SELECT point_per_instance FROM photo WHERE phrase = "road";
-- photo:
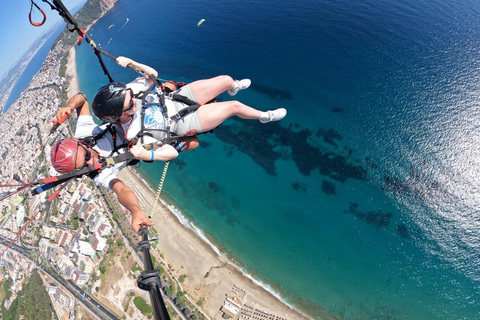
(93, 305)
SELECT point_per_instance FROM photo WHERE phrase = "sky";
(18, 34)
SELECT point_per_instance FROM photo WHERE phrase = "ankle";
(264, 115)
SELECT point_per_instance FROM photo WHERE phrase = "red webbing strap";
(36, 24)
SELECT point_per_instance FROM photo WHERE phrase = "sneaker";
(275, 115)
(239, 85)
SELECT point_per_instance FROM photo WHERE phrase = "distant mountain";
(86, 15)
(30, 53)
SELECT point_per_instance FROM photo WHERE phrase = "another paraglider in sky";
(200, 22)
(124, 24)
(118, 29)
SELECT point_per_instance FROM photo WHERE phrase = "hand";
(138, 219)
(140, 153)
(61, 112)
(124, 61)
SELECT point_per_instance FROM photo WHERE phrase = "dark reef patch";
(180, 163)
(417, 185)
(370, 164)
(299, 187)
(328, 136)
(235, 203)
(213, 186)
(232, 220)
(263, 142)
(337, 110)
(229, 151)
(328, 188)
(205, 144)
(402, 230)
(274, 94)
(372, 217)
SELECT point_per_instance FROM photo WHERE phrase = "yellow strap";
(160, 186)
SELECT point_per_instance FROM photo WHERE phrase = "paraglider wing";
(200, 22)
(110, 26)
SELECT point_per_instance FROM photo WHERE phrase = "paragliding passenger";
(117, 103)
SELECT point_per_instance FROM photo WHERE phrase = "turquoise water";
(363, 200)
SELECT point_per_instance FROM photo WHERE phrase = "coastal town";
(80, 243)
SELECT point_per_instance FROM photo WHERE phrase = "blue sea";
(32, 68)
(37, 61)
(364, 202)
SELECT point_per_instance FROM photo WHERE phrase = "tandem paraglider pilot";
(71, 154)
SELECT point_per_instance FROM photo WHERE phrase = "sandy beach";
(187, 253)
(71, 71)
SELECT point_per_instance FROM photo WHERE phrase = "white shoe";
(239, 85)
(274, 115)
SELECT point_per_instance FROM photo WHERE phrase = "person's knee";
(236, 107)
(226, 81)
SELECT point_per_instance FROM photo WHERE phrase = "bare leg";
(207, 89)
(213, 114)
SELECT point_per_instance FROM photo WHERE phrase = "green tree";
(142, 305)
(7, 284)
(179, 302)
(36, 302)
(13, 313)
(120, 242)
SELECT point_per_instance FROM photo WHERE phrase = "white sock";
(264, 115)
(236, 86)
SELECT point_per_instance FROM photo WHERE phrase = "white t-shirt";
(154, 117)
(87, 127)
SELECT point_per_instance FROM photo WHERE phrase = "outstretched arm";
(78, 102)
(164, 153)
(124, 62)
(130, 201)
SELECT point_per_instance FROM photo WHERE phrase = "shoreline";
(176, 239)
(187, 249)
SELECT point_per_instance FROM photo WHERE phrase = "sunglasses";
(88, 156)
(131, 104)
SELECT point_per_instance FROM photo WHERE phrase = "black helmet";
(107, 105)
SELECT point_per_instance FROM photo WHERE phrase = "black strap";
(183, 112)
(92, 140)
(52, 182)
(104, 68)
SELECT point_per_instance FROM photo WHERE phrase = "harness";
(161, 91)
(92, 140)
